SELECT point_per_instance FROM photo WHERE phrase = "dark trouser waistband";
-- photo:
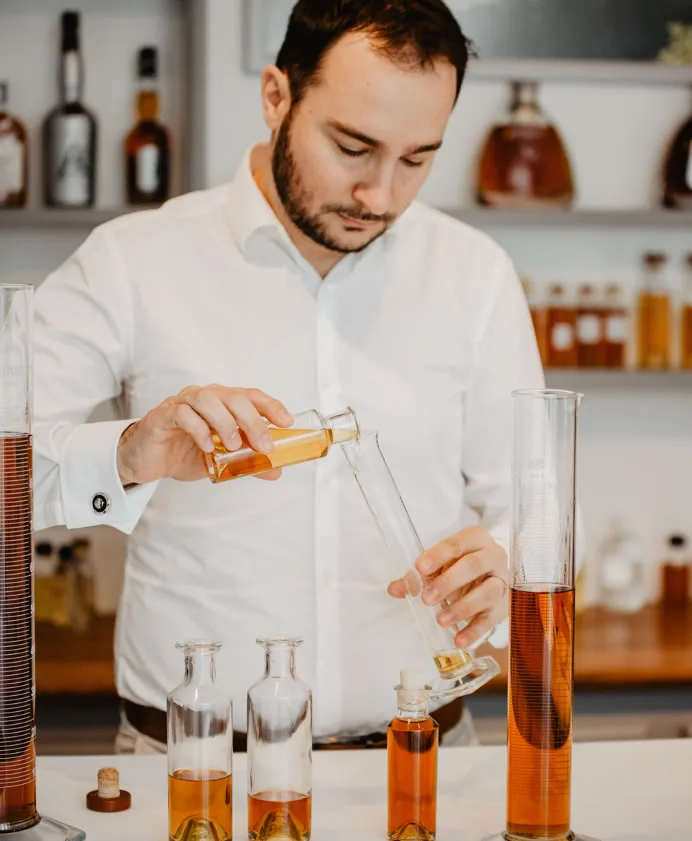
(152, 723)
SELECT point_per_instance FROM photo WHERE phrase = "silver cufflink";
(100, 503)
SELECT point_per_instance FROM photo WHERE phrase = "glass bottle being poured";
(459, 672)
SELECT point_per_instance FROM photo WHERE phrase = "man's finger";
(439, 556)
(270, 475)
(478, 600)
(476, 630)
(460, 574)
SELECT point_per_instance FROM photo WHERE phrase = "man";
(315, 277)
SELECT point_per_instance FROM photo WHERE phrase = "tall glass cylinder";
(200, 751)
(279, 748)
(541, 667)
(17, 730)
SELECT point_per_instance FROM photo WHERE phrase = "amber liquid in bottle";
(590, 340)
(147, 155)
(291, 446)
(676, 585)
(200, 805)
(14, 156)
(540, 712)
(654, 330)
(412, 746)
(614, 318)
(562, 332)
(280, 815)
(17, 716)
(686, 336)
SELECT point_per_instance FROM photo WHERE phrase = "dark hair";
(416, 31)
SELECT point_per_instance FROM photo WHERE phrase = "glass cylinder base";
(48, 830)
(480, 672)
(573, 836)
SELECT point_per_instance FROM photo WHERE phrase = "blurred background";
(571, 145)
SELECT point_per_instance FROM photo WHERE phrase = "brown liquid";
(562, 339)
(13, 131)
(147, 133)
(614, 342)
(540, 712)
(280, 815)
(678, 170)
(654, 330)
(525, 166)
(200, 805)
(412, 779)
(686, 337)
(538, 317)
(590, 343)
(291, 446)
(676, 585)
(17, 732)
(452, 663)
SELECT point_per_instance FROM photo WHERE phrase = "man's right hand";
(166, 442)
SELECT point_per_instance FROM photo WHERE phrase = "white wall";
(636, 442)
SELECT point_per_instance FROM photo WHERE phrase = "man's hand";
(467, 574)
(166, 443)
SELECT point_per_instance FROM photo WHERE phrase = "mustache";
(360, 214)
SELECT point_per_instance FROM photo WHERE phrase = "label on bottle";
(589, 329)
(563, 336)
(616, 329)
(147, 178)
(70, 171)
(688, 177)
(11, 166)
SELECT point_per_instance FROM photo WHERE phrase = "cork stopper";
(108, 797)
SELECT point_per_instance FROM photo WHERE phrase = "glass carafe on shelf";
(279, 748)
(459, 672)
(677, 172)
(675, 574)
(654, 321)
(622, 571)
(200, 751)
(311, 437)
(14, 155)
(524, 163)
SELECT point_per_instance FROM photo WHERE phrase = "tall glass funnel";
(541, 649)
(18, 812)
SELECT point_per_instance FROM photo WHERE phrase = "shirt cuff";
(90, 487)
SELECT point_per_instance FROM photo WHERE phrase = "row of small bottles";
(524, 163)
(593, 329)
(279, 752)
(70, 139)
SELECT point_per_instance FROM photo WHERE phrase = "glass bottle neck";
(279, 662)
(200, 667)
(71, 76)
(412, 705)
(148, 103)
(412, 715)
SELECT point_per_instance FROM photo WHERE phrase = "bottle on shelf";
(621, 572)
(69, 131)
(538, 316)
(615, 327)
(686, 317)
(14, 155)
(677, 172)
(147, 146)
(675, 573)
(524, 163)
(590, 339)
(561, 329)
(412, 748)
(654, 319)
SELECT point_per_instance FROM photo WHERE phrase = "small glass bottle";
(412, 746)
(622, 573)
(654, 314)
(14, 155)
(686, 317)
(677, 173)
(279, 748)
(615, 327)
(675, 574)
(200, 751)
(524, 163)
(561, 327)
(311, 437)
(538, 316)
(590, 343)
(147, 146)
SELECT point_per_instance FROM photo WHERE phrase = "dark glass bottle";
(147, 146)
(70, 132)
(677, 175)
(14, 155)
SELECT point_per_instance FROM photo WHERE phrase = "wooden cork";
(108, 797)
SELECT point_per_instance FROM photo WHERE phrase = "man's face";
(352, 155)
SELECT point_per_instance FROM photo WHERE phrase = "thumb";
(397, 589)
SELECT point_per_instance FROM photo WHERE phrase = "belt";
(152, 723)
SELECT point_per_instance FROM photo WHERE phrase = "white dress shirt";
(425, 334)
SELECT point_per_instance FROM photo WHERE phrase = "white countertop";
(622, 791)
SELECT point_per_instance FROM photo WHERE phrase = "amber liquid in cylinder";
(654, 330)
(17, 722)
(200, 805)
(280, 815)
(412, 779)
(291, 446)
(541, 659)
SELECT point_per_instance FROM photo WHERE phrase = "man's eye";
(412, 164)
(352, 153)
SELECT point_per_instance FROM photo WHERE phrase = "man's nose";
(375, 194)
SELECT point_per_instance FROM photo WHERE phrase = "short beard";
(296, 199)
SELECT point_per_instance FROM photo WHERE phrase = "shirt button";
(101, 503)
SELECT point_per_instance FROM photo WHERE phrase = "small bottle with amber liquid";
(538, 316)
(654, 320)
(561, 329)
(675, 574)
(147, 146)
(412, 746)
(590, 343)
(615, 327)
(14, 155)
(686, 317)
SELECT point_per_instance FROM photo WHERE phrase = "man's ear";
(276, 97)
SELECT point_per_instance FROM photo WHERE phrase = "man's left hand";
(469, 573)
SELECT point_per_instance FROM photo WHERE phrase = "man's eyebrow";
(370, 141)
